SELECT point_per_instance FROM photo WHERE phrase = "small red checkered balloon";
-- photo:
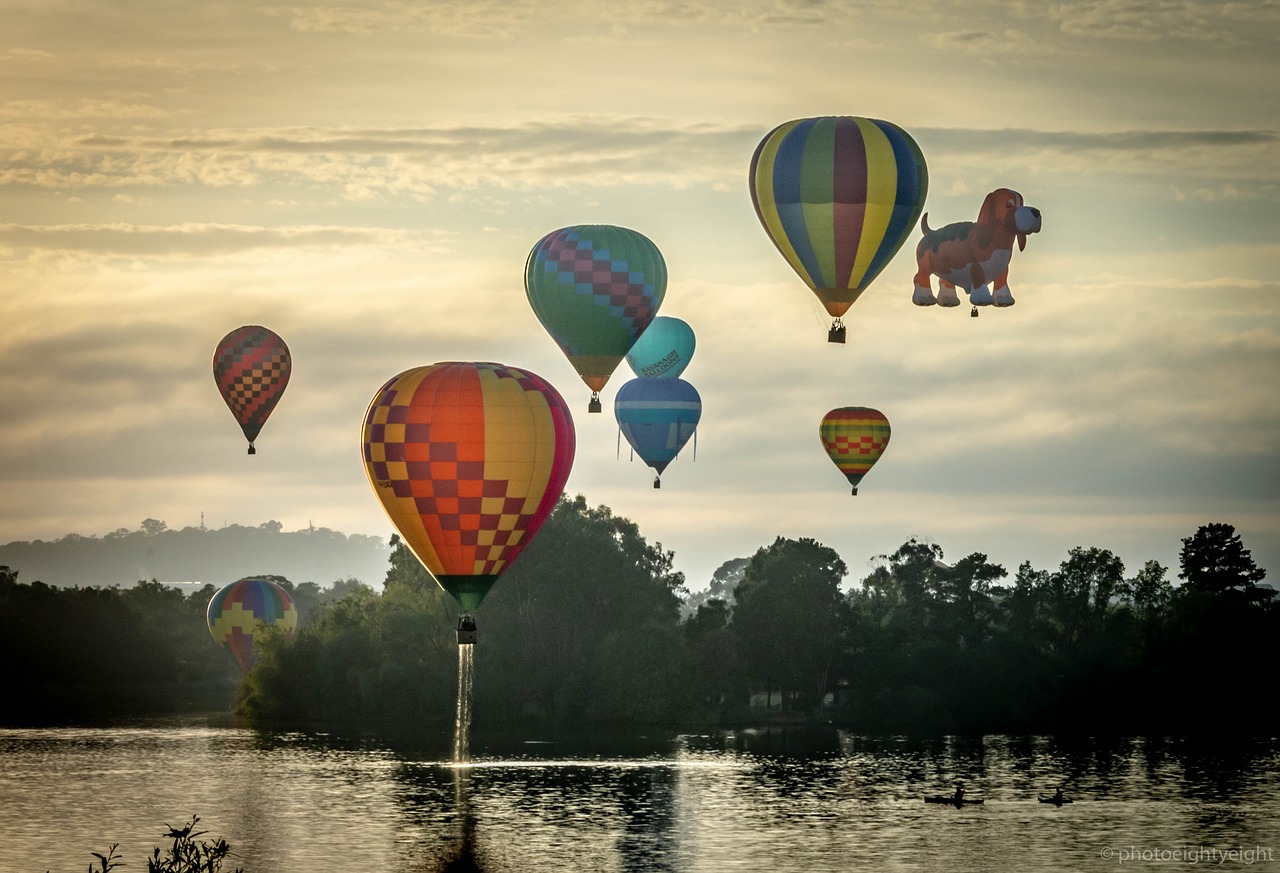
(468, 460)
(251, 366)
(854, 437)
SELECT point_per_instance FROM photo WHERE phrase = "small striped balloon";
(854, 437)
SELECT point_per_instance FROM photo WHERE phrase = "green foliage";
(789, 619)
(585, 629)
(371, 659)
(187, 853)
(90, 652)
(1215, 560)
(577, 596)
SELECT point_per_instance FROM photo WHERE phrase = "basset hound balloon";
(974, 255)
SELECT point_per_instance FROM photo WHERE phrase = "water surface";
(773, 801)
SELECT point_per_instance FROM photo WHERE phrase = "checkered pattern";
(610, 282)
(240, 609)
(854, 438)
(450, 450)
(251, 366)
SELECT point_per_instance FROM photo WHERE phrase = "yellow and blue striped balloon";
(838, 195)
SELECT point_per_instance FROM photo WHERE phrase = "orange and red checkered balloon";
(854, 437)
(468, 460)
(251, 366)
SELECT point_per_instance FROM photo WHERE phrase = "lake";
(776, 801)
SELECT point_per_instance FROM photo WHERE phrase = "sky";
(367, 179)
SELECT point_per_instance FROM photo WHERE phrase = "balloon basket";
(594, 405)
(973, 313)
(836, 333)
(466, 630)
(252, 450)
(657, 482)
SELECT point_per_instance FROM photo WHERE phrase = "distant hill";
(199, 555)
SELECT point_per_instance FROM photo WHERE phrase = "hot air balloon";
(239, 611)
(838, 196)
(468, 460)
(251, 366)
(595, 288)
(663, 350)
(657, 416)
(854, 437)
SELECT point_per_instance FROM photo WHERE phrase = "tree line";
(593, 627)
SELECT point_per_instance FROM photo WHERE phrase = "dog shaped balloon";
(973, 255)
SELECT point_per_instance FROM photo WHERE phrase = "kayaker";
(958, 797)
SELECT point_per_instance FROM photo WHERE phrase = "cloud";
(364, 164)
(205, 240)
(1164, 20)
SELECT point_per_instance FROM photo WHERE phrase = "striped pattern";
(838, 196)
(468, 460)
(595, 288)
(251, 366)
(240, 610)
(854, 437)
(657, 416)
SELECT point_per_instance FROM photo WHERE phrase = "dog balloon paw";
(923, 296)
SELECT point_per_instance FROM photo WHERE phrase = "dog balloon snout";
(1028, 219)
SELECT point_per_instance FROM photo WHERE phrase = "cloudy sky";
(367, 178)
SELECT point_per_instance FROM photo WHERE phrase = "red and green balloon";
(595, 288)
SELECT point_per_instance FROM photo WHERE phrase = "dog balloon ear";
(986, 224)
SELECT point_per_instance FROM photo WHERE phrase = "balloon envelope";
(838, 196)
(657, 416)
(663, 350)
(595, 288)
(251, 366)
(239, 611)
(468, 460)
(854, 437)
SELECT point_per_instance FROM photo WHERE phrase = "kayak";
(1055, 801)
(948, 798)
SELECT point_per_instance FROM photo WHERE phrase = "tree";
(789, 618)
(587, 578)
(966, 589)
(1081, 590)
(723, 583)
(1150, 592)
(1214, 560)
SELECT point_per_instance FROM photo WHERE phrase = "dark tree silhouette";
(789, 618)
(1214, 560)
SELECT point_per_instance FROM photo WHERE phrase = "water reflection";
(779, 800)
